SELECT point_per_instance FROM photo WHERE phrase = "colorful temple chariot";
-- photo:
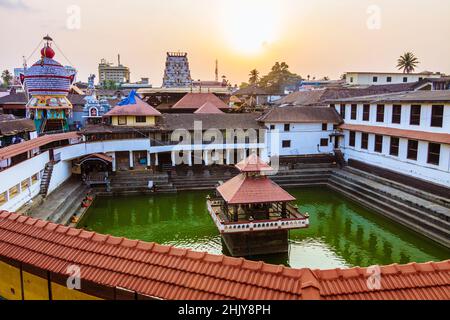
(253, 213)
(48, 83)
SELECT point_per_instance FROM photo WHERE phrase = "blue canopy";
(131, 99)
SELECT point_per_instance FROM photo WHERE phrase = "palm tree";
(407, 62)
(254, 76)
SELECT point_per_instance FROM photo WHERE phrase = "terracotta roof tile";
(196, 100)
(140, 108)
(402, 133)
(172, 273)
(209, 108)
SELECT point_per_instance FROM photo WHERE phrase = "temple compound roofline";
(119, 268)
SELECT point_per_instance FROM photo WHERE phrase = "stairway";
(46, 177)
(136, 182)
(420, 211)
(306, 175)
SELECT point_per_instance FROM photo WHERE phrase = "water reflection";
(341, 233)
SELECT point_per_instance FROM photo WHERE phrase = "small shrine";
(94, 108)
(253, 213)
(48, 83)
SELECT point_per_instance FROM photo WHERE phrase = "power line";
(70, 63)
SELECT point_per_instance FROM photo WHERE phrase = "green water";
(341, 233)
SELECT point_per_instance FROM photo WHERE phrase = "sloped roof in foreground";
(171, 273)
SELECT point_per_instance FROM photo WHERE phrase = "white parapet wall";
(62, 171)
(13, 177)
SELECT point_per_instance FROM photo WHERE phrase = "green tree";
(243, 85)
(254, 77)
(407, 62)
(110, 85)
(279, 77)
(6, 78)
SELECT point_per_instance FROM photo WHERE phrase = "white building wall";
(305, 139)
(367, 78)
(61, 172)
(16, 174)
(417, 169)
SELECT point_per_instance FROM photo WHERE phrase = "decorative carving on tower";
(177, 72)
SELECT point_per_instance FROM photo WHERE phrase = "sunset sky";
(315, 37)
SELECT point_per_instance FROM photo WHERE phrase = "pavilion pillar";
(131, 160)
(156, 159)
(114, 162)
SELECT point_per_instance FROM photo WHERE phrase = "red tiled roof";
(196, 100)
(401, 133)
(16, 149)
(171, 273)
(245, 190)
(253, 164)
(140, 108)
(101, 156)
(209, 108)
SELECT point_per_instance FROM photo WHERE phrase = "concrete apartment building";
(108, 72)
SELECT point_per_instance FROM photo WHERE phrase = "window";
(3, 198)
(35, 178)
(415, 115)
(396, 114)
(324, 142)
(389, 79)
(25, 184)
(287, 127)
(378, 144)
(351, 79)
(141, 119)
(366, 112)
(413, 145)
(122, 120)
(375, 79)
(324, 126)
(352, 139)
(434, 153)
(364, 141)
(354, 110)
(437, 116)
(380, 113)
(405, 79)
(342, 111)
(395, 142)
(286, 143)
(14, 191)
(272, 127)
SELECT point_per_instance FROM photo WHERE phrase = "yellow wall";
(60, 292)
(131, 121)
(34, 287)
(10, 282)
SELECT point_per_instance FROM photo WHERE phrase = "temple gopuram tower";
(48, 83)
(254, 214)
(177, 73)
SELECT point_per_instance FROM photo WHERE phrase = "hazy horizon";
(317, 38)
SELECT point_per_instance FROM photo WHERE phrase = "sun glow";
(250, 26)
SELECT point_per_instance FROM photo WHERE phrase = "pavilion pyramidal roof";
(253, 164)
(244, 189)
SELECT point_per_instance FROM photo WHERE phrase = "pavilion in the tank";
(48, 83)
(253, 213)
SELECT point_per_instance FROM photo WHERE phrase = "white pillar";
(149, 159)
(228, 155)
(156, 159)
(190, 158)
(131, 159)
(205, 157)
(173, 158)
(114, 162)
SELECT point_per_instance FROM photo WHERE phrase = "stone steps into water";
(400, 186)
(424, 222)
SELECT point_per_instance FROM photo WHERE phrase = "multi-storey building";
(177, 72)
(407, 133)
(108, 72)
(373, 78)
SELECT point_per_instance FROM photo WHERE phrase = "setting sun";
(251, 25)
